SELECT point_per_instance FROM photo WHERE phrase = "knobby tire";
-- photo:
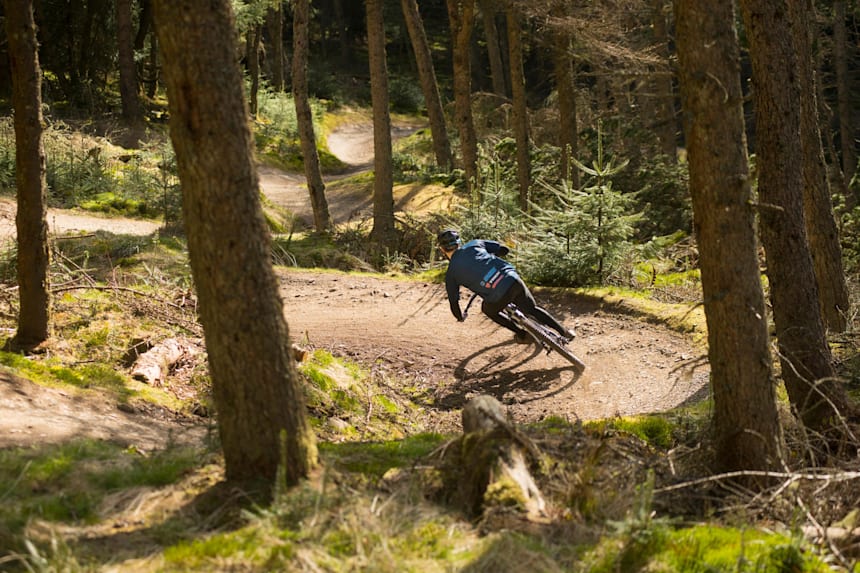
(544, 338)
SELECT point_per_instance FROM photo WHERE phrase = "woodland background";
(631, 145)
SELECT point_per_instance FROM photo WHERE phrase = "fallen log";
(153, 366)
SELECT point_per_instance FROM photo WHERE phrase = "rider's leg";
(493, 314)
(525, 301)
(493, 311)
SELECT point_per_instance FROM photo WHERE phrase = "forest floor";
(403, 330)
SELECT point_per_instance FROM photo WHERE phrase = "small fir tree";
(581, 233)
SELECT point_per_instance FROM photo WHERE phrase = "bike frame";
(546, 337)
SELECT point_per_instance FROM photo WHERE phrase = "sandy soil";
(405, 333)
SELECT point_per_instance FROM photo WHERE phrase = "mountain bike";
(544, 336)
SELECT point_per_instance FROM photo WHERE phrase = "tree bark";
(429, 85)
(494, 51)
(128, 84)
(664, 120)
(304, 116)
(746, 425)
(520, 116)
(257, 392)
(383, 231)
(805, 359)
(275, 53)
(253, 56)
(843, 91)
(821, 225)
(461, 15)
(568, 139)
(31, 219)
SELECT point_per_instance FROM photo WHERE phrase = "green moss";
(655, 430)
(375, 458)
(504, 492)
(239, 546)
(553, 425)
(708, 548)
(701, 549)
(318, 378)
(386, 404)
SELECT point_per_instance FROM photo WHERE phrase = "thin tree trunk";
(128, 85)
(342, 37)
(276, 59)
(147, 70)
(461, 15)
(429, 85)
(494, 51)
(144, 26)
(253, 55)
(31, 220)
(821, 226)
(258, 394)
(664, 121)
(746, 423)
(304, 116)
(384, 232)
(568, 128)
(805, 358)
(154, 67)
(521, 118)
(843, 90)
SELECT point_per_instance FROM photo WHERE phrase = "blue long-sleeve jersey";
(476, 266)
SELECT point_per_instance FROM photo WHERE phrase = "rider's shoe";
(522, 338)
(569, 335)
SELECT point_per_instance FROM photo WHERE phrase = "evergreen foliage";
(580, 237)
(492, 211)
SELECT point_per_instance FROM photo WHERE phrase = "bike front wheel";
(553, 341)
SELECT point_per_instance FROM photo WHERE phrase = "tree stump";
(487, 470)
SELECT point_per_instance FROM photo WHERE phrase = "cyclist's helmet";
(448, 239)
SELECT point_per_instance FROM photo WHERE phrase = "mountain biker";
(478, 265)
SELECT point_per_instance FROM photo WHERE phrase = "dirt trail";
(399, 329)
(406, 329)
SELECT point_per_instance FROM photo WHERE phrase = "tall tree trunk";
(664, 120)
(817, 205)
(342, 37)
(154, 67)
(128, 85)
(384, 232)
(843, 91)
(494, 51)
(258, 394)
(568, 130)
(461, 15)
(805, 358)
(144, 26)
(31, 220)
(521, 112)
(429, 86)
(276, 58)
(147, 71)
(746, 423)
(304, 116)
(253, 56)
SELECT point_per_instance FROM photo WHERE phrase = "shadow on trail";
(505, 376)
(432, 298)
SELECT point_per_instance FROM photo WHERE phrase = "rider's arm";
(453, 290)
(496, 248)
